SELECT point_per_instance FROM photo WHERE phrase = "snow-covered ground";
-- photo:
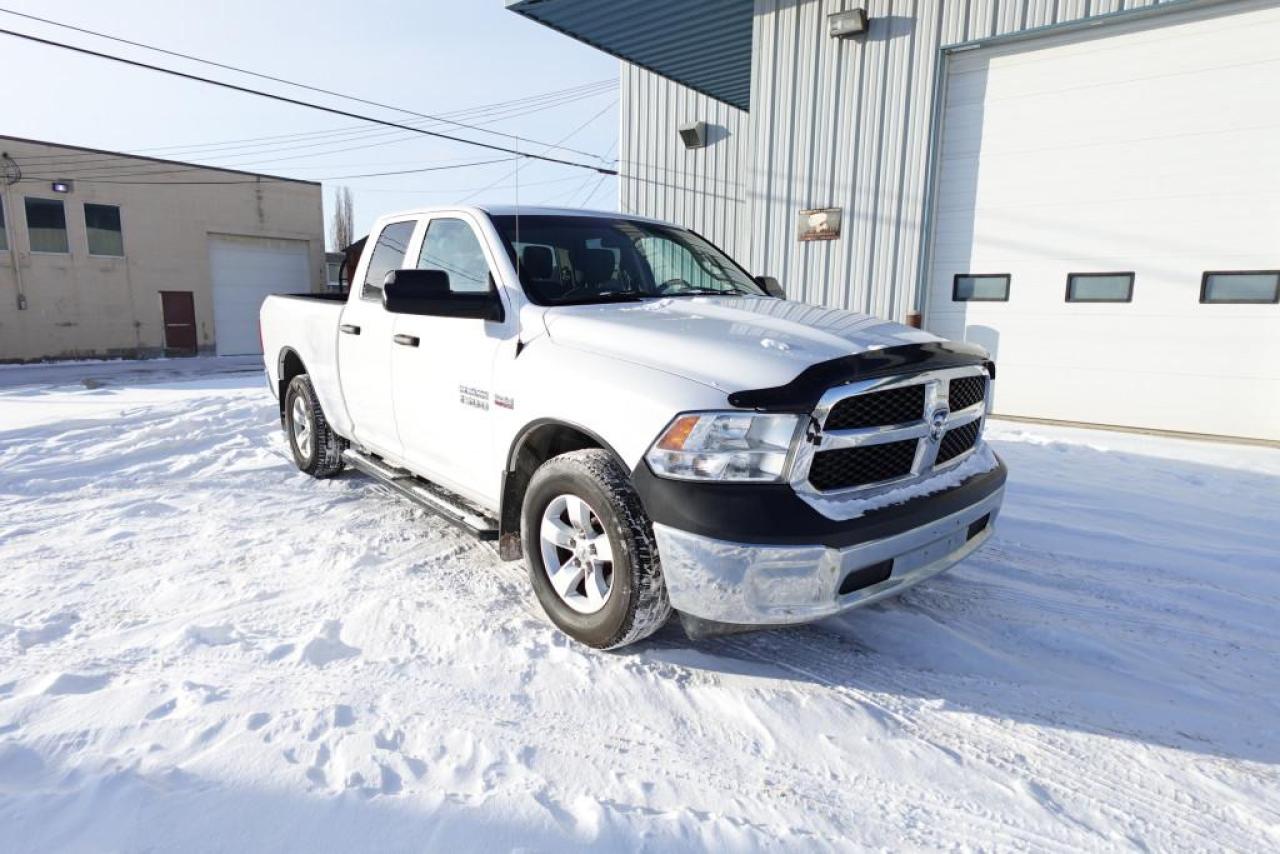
(201, 649)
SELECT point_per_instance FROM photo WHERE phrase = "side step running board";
(452, 508)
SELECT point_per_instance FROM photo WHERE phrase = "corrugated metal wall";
(833, 123)
(702, 188)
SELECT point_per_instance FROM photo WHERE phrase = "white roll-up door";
(245, 270)
(1149, 148)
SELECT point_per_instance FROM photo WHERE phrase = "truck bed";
(307, 325)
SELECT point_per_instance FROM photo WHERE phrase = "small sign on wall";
(819, 224)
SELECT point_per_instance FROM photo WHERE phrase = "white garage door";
(1150, 148)
(245, 271)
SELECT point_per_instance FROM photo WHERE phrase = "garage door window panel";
(47, 226)
(980, 287)
(102, 230)
(451, 246)
(1241, 287)
(388, 255)
(1100, 287)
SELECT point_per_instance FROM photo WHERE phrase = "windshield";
(579, 259)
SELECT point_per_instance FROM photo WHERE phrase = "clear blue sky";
(432, 57)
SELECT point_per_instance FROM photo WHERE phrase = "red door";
(179, 309)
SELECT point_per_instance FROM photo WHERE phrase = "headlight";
(724, 446)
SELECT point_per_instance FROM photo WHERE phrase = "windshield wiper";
(706, 292)
(607, 296)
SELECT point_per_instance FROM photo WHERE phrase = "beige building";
(109, 254)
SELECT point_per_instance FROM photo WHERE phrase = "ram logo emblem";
(938, 423)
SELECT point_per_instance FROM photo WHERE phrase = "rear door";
(178, 309)
(442, 368)
(364, 344)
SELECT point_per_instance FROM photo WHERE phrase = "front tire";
(316, 449)
(591, 553)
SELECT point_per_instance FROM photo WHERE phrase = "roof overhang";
(704, 45)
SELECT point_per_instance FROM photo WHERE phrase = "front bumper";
(764, 584)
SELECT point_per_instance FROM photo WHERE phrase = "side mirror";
(427, 292)
(771, 286)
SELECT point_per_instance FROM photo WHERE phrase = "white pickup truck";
(651, 428)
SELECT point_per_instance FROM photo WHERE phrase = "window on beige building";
(47, 225)
(102, 228)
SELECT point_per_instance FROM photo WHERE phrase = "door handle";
(406, 340)
(349, 328)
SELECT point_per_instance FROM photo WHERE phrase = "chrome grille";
(850, 467)
(956, 442)
(965, 392)
(876, 434)
(877, 409)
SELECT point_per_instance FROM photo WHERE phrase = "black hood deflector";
(803, 392)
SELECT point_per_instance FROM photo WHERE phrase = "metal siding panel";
(844, 123)
(982, 18)
(1072, 10)
(1009, 16)
(699, 188)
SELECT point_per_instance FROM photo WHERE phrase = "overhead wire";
(259, 178)
(262, 76)
(298, 102)
(88, 159)
(516, 173)
(104, 162)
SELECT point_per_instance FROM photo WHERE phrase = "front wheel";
(590, 550)
(316, 449)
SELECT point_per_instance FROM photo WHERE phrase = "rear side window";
(1260, 286)
(451, 245)
(388, 254)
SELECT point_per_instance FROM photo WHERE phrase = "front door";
(442, 368)
(178, 309)
(364, 345)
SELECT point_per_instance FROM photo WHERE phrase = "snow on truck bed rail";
(201, 649)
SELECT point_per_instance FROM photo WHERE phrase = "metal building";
(1088, 188)
(109, 254)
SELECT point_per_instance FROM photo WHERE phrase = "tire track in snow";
(1054, 766)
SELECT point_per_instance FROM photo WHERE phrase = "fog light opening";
(866, 577)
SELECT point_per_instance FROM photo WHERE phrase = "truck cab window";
(388, 255)
(451, 245)
(566, 260)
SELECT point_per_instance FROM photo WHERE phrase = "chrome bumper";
(767, 585)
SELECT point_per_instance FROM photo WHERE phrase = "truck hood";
(729, 343)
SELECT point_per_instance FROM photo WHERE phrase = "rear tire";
(317, 450)
(579, 509)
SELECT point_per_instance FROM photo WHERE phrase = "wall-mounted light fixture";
(62, 186)
(847, 24)
(694, 134)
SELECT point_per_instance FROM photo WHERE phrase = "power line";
(299, 103)
(167, 182)
(103, 164)
(516, 173)
(83, 159)
(274, 79)
(413, 191)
